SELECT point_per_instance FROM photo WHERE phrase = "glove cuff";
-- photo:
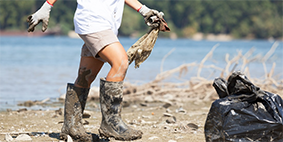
(47, 6)
(49, 3)
(143, 10)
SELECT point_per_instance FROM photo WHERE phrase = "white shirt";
(97, 15)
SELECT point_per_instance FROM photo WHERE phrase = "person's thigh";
(116, 56)
(114, 53)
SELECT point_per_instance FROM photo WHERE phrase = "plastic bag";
(244, 112)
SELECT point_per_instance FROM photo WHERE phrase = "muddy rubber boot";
(75, 102)
(112, 125)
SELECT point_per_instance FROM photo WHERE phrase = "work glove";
(150, 16)
(41, 15)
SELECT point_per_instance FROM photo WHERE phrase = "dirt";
(160, 122)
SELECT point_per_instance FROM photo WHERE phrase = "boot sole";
(64, 136)
(107, 135)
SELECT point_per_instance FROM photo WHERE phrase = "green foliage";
(242, 19)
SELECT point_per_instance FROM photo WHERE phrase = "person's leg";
(76, 98)
(116, 56)
(111, 95)
(88, 70)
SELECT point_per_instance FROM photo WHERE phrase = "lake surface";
(36, 68)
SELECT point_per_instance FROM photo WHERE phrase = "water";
(36, 68)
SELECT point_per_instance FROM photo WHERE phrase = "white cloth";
(97, 15)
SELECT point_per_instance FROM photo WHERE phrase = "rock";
(167, 105)
(21, 110)
(69, 139)
(62, 97)
(167, 115)
(85, 122)
(168, 110)
(193, 126)
(86, 115)
(126, 104)
(181, 110)
(23, 137)
(94, 94)
(59, 111)
(147, 117)
(169, 97)
(144, 104)
(153, 137)
(172, 141)
(171, 120)
(8, 138)
(148, 99)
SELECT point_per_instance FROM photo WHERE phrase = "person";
(97, 23)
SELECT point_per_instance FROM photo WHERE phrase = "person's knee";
(124, 65)
(120, 67)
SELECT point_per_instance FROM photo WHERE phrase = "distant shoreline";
(72, 34)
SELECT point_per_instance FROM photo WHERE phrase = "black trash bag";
(244, 113)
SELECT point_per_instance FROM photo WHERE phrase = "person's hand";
(41, 15)
(150, 16)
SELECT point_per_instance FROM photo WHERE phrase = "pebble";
(192, 126)
(144, 104)
(86, 115)
(167, 105)
(171, 120)
(8, 138)
(168, 110)
(85, 122)
(153, 137)
(23, 109)
(59, 111)
(69, 139)
(23, 137)
(181, 110)
(167, 115)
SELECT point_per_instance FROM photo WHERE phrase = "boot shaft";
(74, 106)
(112, 125)
(77, 94)
(111, 97)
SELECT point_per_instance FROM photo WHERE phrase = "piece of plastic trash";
(244, 112)
(141, 49)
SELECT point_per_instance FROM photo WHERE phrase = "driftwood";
(199, 88)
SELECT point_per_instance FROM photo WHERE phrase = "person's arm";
(134, 4)
(147, 13)
(41, 15)
(51, 2)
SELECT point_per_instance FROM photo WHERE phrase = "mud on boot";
(74, 106)
(112, 125)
